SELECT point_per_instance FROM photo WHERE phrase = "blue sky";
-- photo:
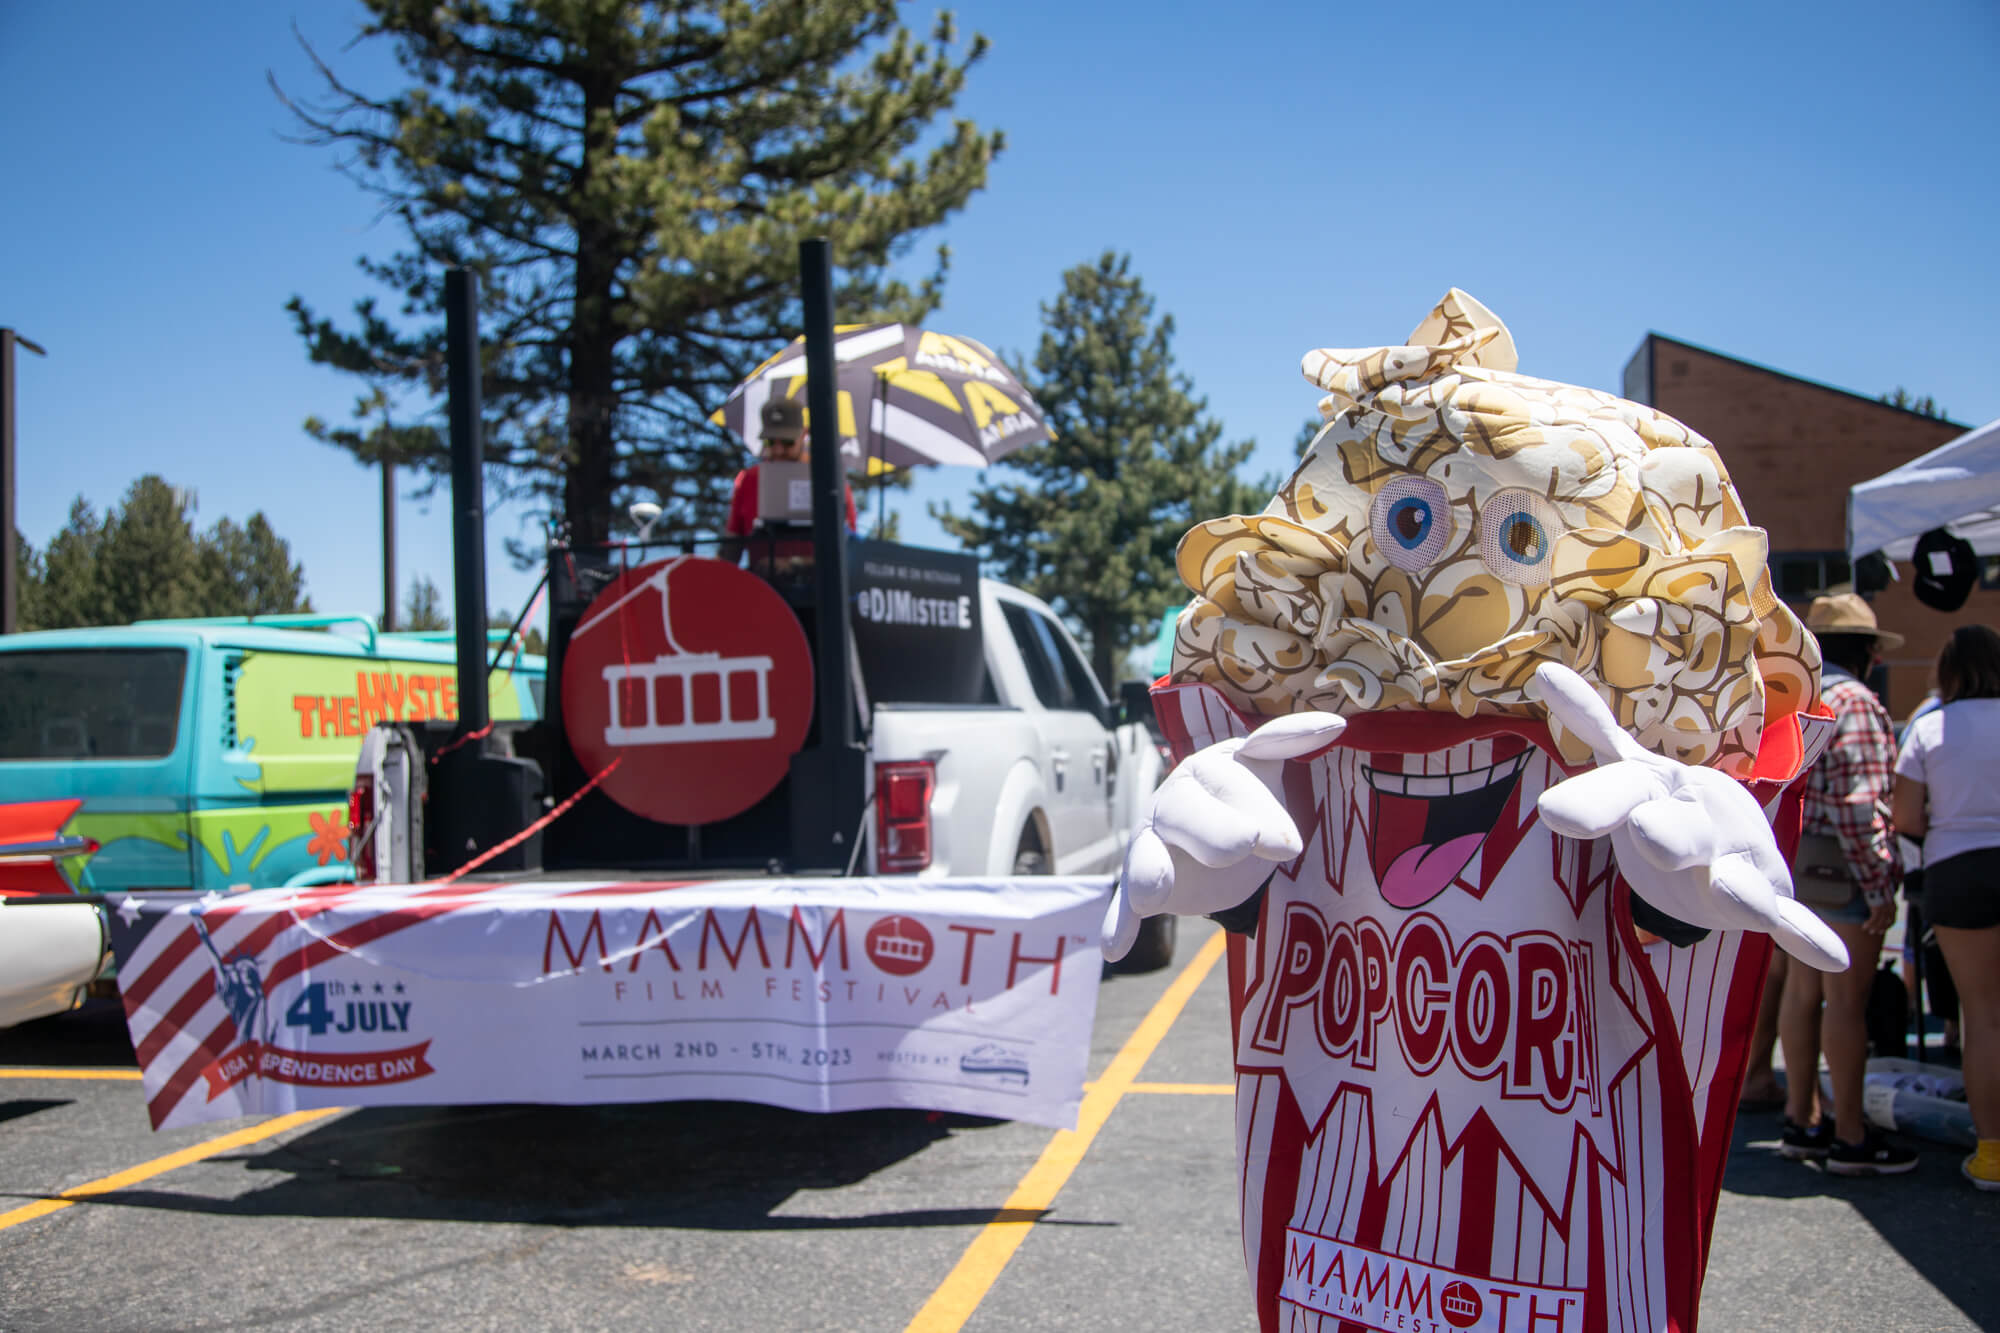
(1817, 190)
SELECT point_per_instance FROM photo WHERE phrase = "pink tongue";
(1423, 872)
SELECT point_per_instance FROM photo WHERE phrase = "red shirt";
(743, 504)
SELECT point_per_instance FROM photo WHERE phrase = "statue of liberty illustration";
(241, 986)
(677, 671)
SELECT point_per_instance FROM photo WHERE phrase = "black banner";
(916, 623)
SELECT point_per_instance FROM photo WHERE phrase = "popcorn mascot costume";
(1488, 726)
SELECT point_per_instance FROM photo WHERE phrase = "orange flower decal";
(329, 836)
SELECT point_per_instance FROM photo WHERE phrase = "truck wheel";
(1030, 861)
(1154, 948)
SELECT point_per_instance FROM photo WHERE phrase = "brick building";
(1793, 448)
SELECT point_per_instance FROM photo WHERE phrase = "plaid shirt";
(1847, 793)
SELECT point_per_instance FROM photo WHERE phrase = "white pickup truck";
(1048, 776)
(1026, 769)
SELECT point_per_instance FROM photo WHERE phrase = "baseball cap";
(1946, 569)
(784, 418)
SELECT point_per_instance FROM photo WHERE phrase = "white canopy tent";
(1954, 486)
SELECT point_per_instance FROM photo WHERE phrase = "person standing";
(1947, 795)
(1847, 800)
(782, 431)
(1922, 958)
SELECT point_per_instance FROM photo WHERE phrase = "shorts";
(1963, 892)
(1853, 912)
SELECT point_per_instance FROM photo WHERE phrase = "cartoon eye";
(1411, 521)
(1517, 536)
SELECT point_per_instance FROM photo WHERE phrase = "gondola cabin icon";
(1461, 1304)
(688, 684)
(899, 945)
(683, 696)
(901, 948)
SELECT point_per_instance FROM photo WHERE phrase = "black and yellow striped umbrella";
(906, 396)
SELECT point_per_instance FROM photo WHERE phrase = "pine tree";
(148, 564)
(144, 561)
(1925, 406)
(30, 582)
(68, 593)
(531, 639)
(423, 609)
(248, 571)
(629, 181)
(1089, 522)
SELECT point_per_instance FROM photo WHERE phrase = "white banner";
(974, 996)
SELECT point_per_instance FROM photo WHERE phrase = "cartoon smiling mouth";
(1425, 827)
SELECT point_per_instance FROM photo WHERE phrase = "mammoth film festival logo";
(695, 676)
(899, 945)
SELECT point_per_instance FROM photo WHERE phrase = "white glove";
(1215, 827)
(1689, 840)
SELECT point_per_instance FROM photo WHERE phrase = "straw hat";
(1847, 613)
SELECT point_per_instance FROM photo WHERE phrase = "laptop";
(784, 492)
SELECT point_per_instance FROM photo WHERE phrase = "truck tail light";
(903, 816)
(360, 837)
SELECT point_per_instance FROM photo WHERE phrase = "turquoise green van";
(213, 754)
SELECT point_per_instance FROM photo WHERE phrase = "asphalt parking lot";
(692, 1215)
(711, 1216)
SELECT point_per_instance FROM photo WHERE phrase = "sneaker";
(1873, 1156)
(1800, 1144)
(1975, 1171)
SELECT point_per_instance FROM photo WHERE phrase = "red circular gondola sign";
(695, 676)
(899, 945)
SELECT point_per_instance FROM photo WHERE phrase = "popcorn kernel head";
(1455, 524)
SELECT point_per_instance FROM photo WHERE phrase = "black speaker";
(478, 801)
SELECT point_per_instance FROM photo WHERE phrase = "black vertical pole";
(828, 779)
(836, 710)
(388, 544)
(8, 592)
(468, 493)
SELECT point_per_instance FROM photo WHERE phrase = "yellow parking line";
(161, 1165)
(131, 1075)
(977, 1269)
